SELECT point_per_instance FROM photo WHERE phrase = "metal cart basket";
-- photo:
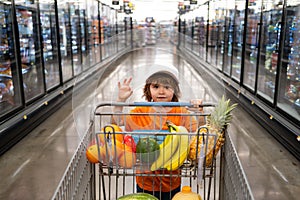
(224, 179)
(117, 174)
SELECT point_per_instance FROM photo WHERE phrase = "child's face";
(161, 92)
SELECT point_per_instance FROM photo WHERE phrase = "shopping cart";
(117, 177)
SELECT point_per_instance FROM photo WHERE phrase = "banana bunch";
(174, 150)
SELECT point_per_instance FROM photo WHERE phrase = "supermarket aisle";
(33, 168)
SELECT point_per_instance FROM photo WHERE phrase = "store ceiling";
(159, 9)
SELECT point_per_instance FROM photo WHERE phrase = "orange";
(114, 151)
(117, 148)
(127, 159)
(117, 151)
(110, 129)
(104, 154)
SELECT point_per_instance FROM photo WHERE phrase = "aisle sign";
(127, 6)
(181, 9)
(115, 2)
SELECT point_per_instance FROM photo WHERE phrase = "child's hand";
(196, 103)
(125, 90)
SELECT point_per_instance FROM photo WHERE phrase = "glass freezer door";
(221, 40)
(203, 9)
(75, 20)
(83, 35)
(251, 46)
(10, 96)
(270, 38)
(65, 40)
(50, 45)
(289, 85)
(214, 34)
(27, 19)
(238, 38)
(228, 40)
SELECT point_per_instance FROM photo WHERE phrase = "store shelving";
(292, 52)
(151, 32)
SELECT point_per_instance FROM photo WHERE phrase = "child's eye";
(155, 86)
(168, 87)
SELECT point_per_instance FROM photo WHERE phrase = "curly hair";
(162, 78)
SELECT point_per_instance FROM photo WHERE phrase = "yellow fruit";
(92, 154)
(127, 159)
(108, 131)
(210, 149)
(114, 150)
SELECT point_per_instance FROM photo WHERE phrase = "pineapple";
(217, 123)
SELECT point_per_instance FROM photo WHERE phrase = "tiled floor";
(33, 168)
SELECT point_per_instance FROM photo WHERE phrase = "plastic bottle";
(186, 194)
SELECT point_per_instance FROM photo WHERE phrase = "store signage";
(127, 7)
(180, 5)
(29, 1)
(114, 2)
(193, 2)
(180, 8)
(149, 19)
(199, 19)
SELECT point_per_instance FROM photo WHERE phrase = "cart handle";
(163, 104)
(167, 104)
(171, 104)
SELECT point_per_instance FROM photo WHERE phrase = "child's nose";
(161, 89)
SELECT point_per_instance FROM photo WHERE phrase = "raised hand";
(125, 90)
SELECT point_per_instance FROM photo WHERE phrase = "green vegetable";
(138, 196)
(147, 150)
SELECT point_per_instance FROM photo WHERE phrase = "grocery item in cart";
(127, 159)
(147, 149)
(138, 196)
(92, 153)
(211, 137)
(186, 193)
(112, 147)
(129, 141)
(118, 153)
(174, 149)
(111, 129)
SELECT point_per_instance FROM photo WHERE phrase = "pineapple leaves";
(221, 116)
